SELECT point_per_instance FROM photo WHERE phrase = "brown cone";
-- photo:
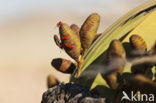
(51, 81)
(63, 65)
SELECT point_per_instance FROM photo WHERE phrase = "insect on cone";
(70, 41)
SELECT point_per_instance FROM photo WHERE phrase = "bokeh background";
(26, 40)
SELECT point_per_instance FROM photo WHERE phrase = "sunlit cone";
(57, 41)
(76, 29)
(88, 30)
(115, 50)
(115, 54)
(63, 65)
(51, 81)
(138, 44)
(70, 41)
(87, 34)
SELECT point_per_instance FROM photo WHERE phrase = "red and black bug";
(69, 40)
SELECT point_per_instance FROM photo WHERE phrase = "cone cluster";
(75, 42)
